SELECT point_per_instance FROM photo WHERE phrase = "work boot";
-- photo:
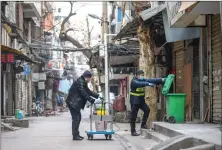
(77, 138)
(135, 134)
(144, 127)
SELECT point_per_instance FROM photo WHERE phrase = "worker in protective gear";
(137, 98)
(79, 94)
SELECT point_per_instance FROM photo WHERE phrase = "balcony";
(32, 9)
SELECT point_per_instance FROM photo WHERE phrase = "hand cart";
(104, 119)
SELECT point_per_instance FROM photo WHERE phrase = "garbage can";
(16, 113)
(175, 103)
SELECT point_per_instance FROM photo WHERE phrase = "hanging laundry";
(64, 86)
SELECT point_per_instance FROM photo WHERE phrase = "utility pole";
(104, 20)
(104, 40)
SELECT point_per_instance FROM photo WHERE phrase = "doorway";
(196, 80)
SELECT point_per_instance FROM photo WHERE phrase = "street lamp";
(95, 16)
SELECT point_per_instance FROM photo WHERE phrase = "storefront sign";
(7, 58)
(38, 77)
(42, 76)
(27, 70)
(41, 85)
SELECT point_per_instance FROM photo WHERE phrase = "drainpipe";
(30, 79)
(221, 46)
(201, 76)
(209, 58)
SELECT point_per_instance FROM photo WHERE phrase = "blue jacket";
(138, 86)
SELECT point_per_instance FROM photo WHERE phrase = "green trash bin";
(175, 103)
(16, 113)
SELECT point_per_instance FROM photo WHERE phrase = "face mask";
(141, 77)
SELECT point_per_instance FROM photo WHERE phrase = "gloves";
(150, 84)
(163, 80)
(92, 101)
(101, 98)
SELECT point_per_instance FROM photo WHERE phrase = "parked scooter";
(36, 108)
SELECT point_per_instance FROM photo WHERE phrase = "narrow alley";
(54, 133)
(151, 70)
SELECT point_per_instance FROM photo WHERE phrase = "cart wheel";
(171, 119)
(106, 136)
(88, 136)
(165, 119)
(110, 137)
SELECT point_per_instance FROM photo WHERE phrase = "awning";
(187, 5)
(200, 7)
(191, 14)
(149, 13)
(130, 30)
(18, 54)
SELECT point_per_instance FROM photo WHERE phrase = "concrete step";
(137, 142)
(181, 142)
(165, 131)
(9, 124)
(202, 147)
(151, 134)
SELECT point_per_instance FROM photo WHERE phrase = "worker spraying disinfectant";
(137, 98)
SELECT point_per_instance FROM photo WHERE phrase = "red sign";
(7, 58)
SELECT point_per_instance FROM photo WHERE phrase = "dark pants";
(76, 118)
(135, 108)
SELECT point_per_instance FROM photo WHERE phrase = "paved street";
(54, 133)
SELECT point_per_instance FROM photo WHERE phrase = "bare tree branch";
(71, 29)
(91, 30)
(67, 18)
(93, 60)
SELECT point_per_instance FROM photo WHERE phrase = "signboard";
(27, 70)
(7, 58)
(41, 85)
(42, 76)
(38, 77)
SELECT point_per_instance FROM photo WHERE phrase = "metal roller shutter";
(10, 98)
(24, 99)
(179, 63)
(216, 68)
(17, 93)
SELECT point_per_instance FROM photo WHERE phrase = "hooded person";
(79, 94)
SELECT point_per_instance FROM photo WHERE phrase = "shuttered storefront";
(21, 94)
(196, 80)
(216, 68)
(178, 48)
(24, 95)
(18, 97)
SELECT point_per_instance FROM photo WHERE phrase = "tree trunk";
(146, 63)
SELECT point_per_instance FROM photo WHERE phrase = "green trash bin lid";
(167, 84)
